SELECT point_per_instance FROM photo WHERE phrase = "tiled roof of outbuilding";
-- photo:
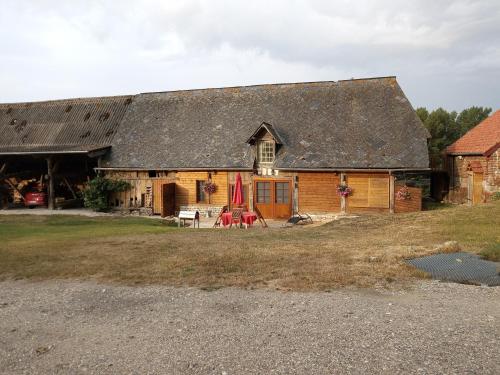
(366, 123)
(483, 139)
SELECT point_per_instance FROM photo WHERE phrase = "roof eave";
(59, 152)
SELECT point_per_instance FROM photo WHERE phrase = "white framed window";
(265, 151)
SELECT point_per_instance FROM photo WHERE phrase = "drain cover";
(459, 267)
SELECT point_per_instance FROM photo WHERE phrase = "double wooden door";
(273, 197)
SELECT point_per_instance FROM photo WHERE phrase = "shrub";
(96, 195)
(495, 196)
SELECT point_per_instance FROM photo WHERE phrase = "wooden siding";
(186, 188)
(370, 191)
(317, 192)
(413, 204)
(141, 184)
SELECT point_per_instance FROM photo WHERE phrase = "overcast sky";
(444, 53)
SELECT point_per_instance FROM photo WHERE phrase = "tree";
(470, 117)
(423, 114)
(443, 128)
(446, 127)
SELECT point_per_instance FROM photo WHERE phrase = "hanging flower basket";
(403, 194)
(344, 190)
(209, 188)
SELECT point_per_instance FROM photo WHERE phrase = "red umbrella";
(238, 191)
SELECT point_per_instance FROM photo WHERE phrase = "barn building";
(293, 144)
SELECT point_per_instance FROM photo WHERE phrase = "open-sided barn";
(293, 144)
(55, 144)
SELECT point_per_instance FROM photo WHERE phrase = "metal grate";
(460, 268)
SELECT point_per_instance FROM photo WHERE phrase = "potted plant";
(344, 190)
(403, 194)
(209, 188)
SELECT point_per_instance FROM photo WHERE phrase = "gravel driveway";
(82, 327)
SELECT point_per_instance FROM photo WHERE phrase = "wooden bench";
(189, 215)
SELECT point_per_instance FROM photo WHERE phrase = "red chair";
(236, 217)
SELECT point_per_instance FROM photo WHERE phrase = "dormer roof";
(265, 127)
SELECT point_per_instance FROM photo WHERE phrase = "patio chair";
(219, 217)
(260, 217)
(236, 217)
(299, 219)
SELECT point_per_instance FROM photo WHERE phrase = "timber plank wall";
(185, 189)
(317, 192)
(413, 204)
(370, 192)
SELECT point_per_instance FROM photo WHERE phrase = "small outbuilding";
(473, 163)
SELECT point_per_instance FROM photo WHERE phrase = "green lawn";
(364, 251)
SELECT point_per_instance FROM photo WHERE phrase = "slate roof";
(71, 125)
(483, 139)
(366, 123)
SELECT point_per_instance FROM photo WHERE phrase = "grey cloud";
(445, 53)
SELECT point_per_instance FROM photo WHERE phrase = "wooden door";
(282, 199)
(477, 195)
(263, 198)
(273, 198)
(168, 199)
(369, 191)
(470, 187)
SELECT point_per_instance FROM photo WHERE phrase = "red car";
(35, 199)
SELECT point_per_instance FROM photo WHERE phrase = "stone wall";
(459, 166)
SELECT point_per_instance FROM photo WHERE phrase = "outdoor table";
(226, 218)
(247, 218)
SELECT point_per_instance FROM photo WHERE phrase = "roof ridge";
(90, 98)
(269, 84)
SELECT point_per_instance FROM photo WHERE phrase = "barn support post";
(50, 174)
(295, 200)
(392, 180)
(343, 203)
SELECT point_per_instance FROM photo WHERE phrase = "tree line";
(446, 127)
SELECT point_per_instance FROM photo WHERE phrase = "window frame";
(265, 154)
(200, 192)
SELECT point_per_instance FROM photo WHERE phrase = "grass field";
(364, 251)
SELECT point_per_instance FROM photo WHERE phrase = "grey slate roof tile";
(347, 124)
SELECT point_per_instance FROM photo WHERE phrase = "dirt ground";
(83, 327)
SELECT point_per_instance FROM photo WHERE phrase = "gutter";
(353, 169)
(174, 169)
(390, 170)
(54, 152)
(465, 153)
(43, 152)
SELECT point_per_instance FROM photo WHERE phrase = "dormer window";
(266, 142)
(265, 151)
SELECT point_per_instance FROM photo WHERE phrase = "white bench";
(189, 215)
